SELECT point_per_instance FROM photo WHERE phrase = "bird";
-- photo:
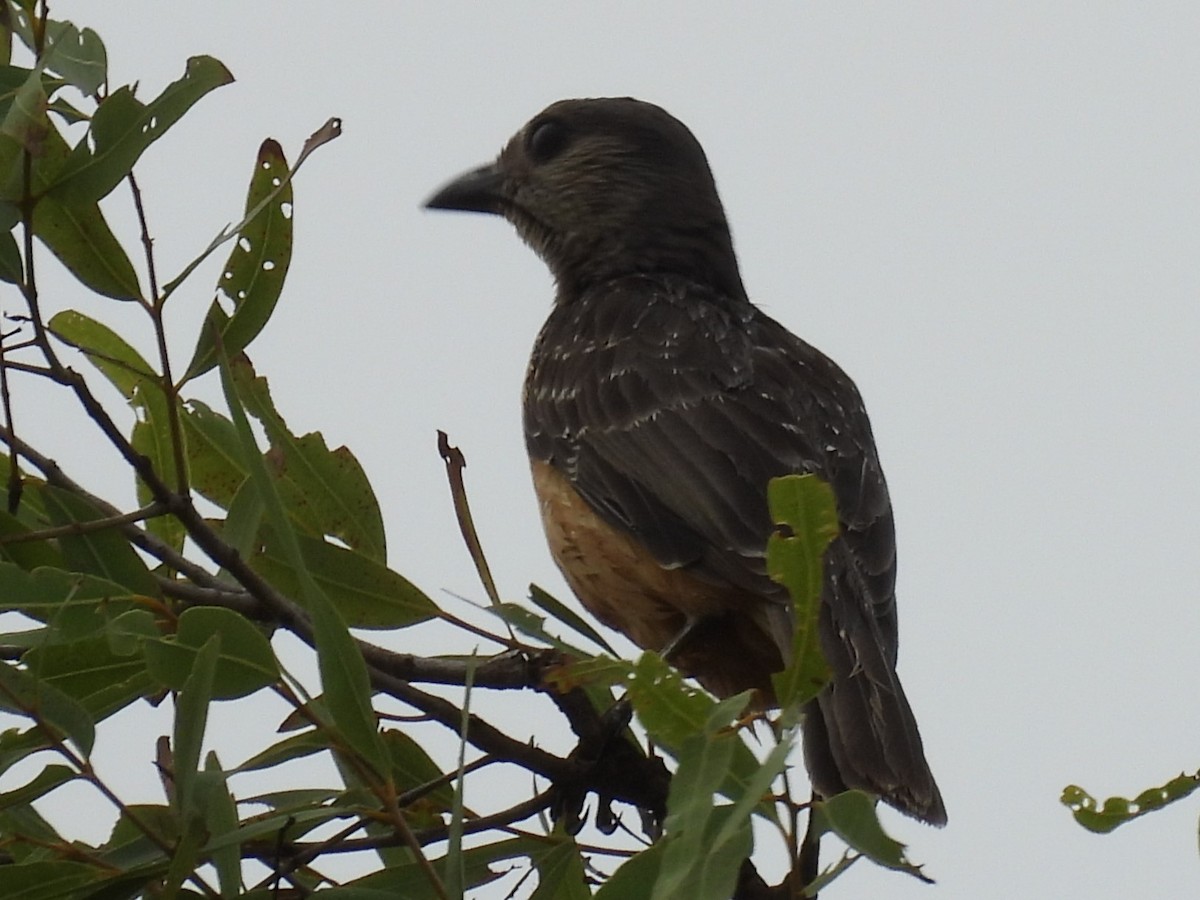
(658, 404)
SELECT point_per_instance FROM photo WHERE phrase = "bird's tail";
(860, 732)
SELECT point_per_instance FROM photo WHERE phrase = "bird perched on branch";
(658, 404)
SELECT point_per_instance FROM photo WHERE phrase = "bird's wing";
(670, 410)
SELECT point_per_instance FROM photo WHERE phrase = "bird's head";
(605, 188)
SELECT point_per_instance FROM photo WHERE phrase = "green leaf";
(1116, 811)
(365, 593)
(47, 880)
(411, 880)
(129, 373)
(690, 867)
(151, 437)
(26, 554)
(670, 710)
(191, 717)
(290, 823)
(78, 56)
(78, 605)
(110, 353)
(25, 695)
(851, 815)
(673, 712)
(297, 746)
(805, 506)
(255, 271)
(327, 491)
(220, 819)
(26, 832)
(81, 239)
(43, 783)
(243, 524)
(92, 673)
(531, 625)
(12, 266)
(25, 119)
(413, 768)
(561, 874)
(344, 676)
(635, 879)
(246, 662)
(214, 454)
(25, 128)
(104, 552)
(554, 607)
(16, 746)
(123, 127)
(323, 135)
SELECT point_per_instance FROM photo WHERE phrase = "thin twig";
(72, 528)
(455, 463)
(15, 485)
(166, 381)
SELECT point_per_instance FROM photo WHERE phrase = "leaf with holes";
(1116, 811)
(254, 273)
(123, 127)
(77, 55)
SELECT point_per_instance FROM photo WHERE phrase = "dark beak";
(480, 190)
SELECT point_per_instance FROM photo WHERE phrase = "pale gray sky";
(988, 213)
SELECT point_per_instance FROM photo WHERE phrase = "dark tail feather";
(861, 733)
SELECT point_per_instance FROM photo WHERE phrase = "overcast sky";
(987, 213)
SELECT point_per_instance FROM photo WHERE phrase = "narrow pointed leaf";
(255, 271)
(28, 555)
(805, 506)
(220, 819)
(323, 135)
(81, 239)
(561, 874)
(110, 353)
(25, 118)
(191, 717)
(554, 607)
(89, 671)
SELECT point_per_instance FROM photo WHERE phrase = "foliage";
(110, 608)
(1116, 811)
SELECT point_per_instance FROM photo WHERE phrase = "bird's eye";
(547, 140)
